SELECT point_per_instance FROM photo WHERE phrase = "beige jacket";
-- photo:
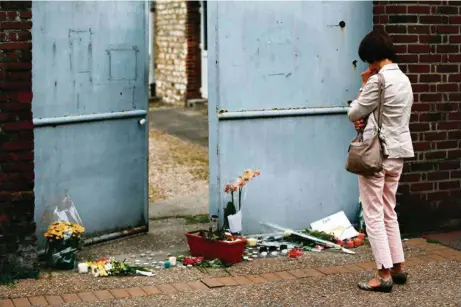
(398, 99)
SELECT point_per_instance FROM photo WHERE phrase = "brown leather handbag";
(366, 157)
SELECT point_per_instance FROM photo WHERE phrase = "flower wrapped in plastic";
(64, 235)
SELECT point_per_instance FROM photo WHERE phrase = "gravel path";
(66, 282)
(176, 167)
(431, 284)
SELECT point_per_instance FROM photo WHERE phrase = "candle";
(83, 267)
(251, 241)
(167, 264)
(172, 261)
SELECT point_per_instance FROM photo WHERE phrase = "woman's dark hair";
(377, 46)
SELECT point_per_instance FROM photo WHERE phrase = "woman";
(377, 192)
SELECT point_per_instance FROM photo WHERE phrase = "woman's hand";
(367, 74)
(360, 125)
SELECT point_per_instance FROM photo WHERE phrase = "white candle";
(251, 242)
(83, 267)
(172, 261)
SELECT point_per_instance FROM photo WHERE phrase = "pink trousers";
(377, 194)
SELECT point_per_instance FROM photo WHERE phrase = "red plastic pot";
(230, 252)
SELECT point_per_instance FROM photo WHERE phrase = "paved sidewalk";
(434, 269)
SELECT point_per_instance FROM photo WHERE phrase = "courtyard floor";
(314, 279)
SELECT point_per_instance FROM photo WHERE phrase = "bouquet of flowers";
(64, 235)
(233, 214)
(110, 267)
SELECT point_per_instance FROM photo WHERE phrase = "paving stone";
(415, 242)
(228, 281)
(54, 300)
(167, 288)
(242, 280)
(21, 302)
(71, 298)
(285, 275)
(256, 279)
(181, 287)
(432, 258)
(197, 285)
(135, 292)
(119, 293)
(414, 261)
(353, 268)
(38, 301)
(87, 296)
(6, 303)
(367, 266)
(152, 290)
(437, 257)
(270, 277)
(329, 270)
(212, 282)
(312, 272)
(103, 295)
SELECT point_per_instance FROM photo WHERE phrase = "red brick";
(419, 68)
(38, 301)
(353, 268)
(6, 303)
(21, 302)
(212, 282)
(419, 48)
(405, 38)
(418, 29)
(135, 292)
(243, 280)
(196, 285)
(270, 277)
(54, 300)
(329, 270)
(285, 275)
(103, 295)
(447, 29)
(71, 298)
(119, 293)
(455, 19)
(448, 185)
(87, 296)
(182, 287)
(447, 48)
(450, 87)
(256, 279)
(419, 9)
(228, 281)
(435, 155)
(430, 58)
(441, 175)
(154, 290)
(15, 25)
(167, 288)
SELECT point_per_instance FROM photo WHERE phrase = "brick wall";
(427, 35)
(177, 50)
(18, 253)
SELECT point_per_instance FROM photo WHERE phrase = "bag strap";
(381, 86)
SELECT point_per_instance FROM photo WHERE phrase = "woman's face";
(374, 67)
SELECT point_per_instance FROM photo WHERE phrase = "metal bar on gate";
(72, 119)
(229, 115)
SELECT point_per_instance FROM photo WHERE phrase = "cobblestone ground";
(176, 167)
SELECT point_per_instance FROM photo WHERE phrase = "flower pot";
(230, 252)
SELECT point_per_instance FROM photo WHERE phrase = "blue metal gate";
(90, 100)
(280, 74)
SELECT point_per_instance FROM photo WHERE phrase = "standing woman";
(377, 192)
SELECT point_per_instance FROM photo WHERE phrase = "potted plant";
(214, 243)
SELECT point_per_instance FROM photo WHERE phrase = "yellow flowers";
(59, 230)
(242, 181)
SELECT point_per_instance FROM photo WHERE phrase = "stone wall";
(18, 252)
(427, 35)
(177, 51)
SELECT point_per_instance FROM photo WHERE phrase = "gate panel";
(90, 93)
(280, 76)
